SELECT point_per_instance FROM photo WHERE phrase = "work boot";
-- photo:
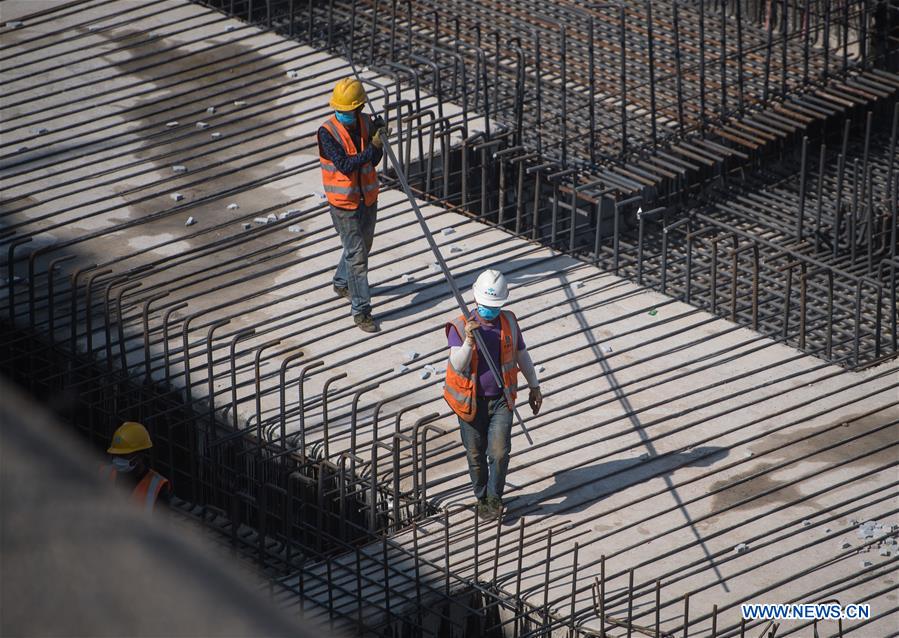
(484, 511)
(365, 322)
(342, 292)
(494, 505)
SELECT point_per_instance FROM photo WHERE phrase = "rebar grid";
(443, 47)
(238, 435)
(655, 71)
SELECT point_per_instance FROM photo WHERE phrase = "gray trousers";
(356, 229)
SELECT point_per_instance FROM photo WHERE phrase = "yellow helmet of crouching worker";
(131, 437)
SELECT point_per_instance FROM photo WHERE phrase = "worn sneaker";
(494, 505)
(365, 322)
(484, 511)
(342, 292)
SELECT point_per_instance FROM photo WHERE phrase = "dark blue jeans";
(488, 441)
(357, 232)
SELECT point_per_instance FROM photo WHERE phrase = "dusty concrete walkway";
(669, 437)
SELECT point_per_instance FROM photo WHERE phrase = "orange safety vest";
(147, 491)
(461, 385)
(344, 191)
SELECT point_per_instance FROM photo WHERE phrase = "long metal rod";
(435, 250)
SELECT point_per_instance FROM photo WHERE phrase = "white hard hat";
(490, 289)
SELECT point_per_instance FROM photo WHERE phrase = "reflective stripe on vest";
(461, 385)
(346, 191)
(147, 491)
(458, 396)
(152, 492)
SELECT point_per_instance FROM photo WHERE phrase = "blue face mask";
(488, 313)
(346, 118)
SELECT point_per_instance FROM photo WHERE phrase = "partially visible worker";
(471, 390)
(130, 466)
(350, 147)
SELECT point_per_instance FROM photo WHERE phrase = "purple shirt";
(490, 331)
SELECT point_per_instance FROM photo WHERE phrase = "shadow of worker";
(576, 489)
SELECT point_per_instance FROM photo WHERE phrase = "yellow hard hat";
(131, 437)
(348, 95)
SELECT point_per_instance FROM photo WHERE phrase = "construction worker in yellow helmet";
(129, 466)
(350, 147)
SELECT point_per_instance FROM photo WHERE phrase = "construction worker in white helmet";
(350, 147)
(485, 419)
(129, 466)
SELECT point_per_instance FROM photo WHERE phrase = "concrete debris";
(230, 27)
(210, 109)
(246, 225)
(14, 24)
(171, 124)
(202, 124)
(260, 220)
(540, 368)
(434, 267)
(424, 374)
(272, 217)
(853, 522)
(749, 454)
(579, 284)
(865, 563)
(177, 197)
(644, 456)
(239, 103)
(846, 545)
(401, 369)
(294, 229)
(741, 547)
(827, 531)
(190, 221)
(21, 149)
(216, 135)
(293, 74)
(411, 355)
(455, 249)
(606, 349)
(178, 168)
(233, 206)
(806, 523)
(449, 231)
(41, 130)
(430, 368)
(867, 530)
(408, 277)
(93, 27)
(884, 551)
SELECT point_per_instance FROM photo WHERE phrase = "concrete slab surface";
(668, 438)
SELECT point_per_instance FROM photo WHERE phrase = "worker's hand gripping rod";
(482, 347)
